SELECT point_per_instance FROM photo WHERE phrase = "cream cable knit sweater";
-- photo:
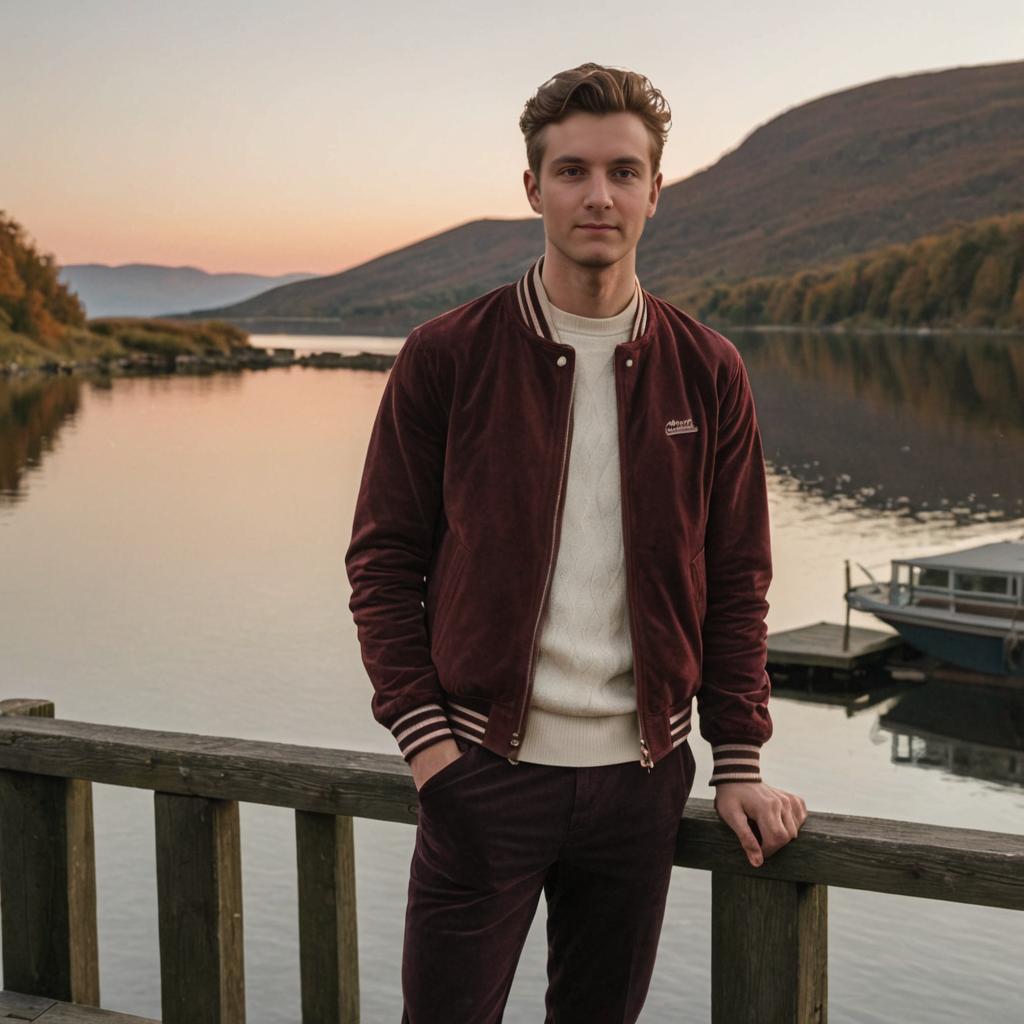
(583, 704)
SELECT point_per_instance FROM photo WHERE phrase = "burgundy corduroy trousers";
(599, 842)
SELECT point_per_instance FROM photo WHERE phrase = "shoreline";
(149, 364)
(256, 358)
(921, 331)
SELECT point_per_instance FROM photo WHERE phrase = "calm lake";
(171, 557)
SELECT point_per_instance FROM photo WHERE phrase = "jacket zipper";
(645, 753)
(517, 737)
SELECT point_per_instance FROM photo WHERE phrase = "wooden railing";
(769, 924)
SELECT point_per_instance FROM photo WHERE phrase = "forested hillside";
(970, 276)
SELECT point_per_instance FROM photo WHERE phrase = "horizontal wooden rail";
(877, 854)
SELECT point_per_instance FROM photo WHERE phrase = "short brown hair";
(594, 89)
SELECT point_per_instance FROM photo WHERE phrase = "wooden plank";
(16, 1006)
(328, 945)
(68, 1013)
(321, 779)
(47, 879)
(22, 1006)
(769, 951)
(72, 1013)
(821, 644)
(199, 906)
(904, 858)
(27, 707)
(81, 882)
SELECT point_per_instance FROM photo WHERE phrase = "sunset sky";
(310, 136)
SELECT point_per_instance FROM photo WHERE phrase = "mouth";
(596, 228)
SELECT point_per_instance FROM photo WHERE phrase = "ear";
(532, 187)
(652, 199)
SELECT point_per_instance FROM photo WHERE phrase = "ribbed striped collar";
(535, 308)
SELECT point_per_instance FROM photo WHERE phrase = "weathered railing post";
(48, 879)
(328, 946)
(199, 905)
(769, 951)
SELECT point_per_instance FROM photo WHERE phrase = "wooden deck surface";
(40, 1010)
(821, 644)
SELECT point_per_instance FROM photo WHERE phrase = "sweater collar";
(535, 309)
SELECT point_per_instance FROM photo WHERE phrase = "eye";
(628, 171)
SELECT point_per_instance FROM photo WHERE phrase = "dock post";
(328, 943)
(846, 625)
(769, 951)
(47, 880)
(199, 907)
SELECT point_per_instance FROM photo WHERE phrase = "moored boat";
(965, 607)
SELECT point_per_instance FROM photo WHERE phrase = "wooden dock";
(830, 645)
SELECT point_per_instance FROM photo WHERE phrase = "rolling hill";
(879, 164)
(147, 289)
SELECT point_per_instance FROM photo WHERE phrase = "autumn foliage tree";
(969, 276)
(33, 299)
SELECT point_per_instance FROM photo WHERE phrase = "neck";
(588, 291)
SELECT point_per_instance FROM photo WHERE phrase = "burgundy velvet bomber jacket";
(458, 516)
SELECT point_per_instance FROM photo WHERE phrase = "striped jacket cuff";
(421, 728)
(736, 762)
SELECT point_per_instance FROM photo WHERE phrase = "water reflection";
(965, 729)
(928, 427)
(33, 411)
(973, 729)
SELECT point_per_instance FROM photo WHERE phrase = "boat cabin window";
(925, 576)
(980, 583)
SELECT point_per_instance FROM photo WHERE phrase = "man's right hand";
(433, 759)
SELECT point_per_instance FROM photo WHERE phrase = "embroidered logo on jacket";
(686, 426)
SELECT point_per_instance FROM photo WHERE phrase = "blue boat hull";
(980, 653)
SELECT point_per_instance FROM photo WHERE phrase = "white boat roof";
(1005, 556)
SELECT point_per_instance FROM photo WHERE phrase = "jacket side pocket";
(450, 582)
(698, 579)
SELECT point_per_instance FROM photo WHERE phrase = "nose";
(598, 195)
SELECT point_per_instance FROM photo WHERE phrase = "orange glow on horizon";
(221, 247)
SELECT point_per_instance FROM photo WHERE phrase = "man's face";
(596, 170)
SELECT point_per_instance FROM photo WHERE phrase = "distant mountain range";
(882, 163)
(146, 289)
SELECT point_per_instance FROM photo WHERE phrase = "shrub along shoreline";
(147, 345)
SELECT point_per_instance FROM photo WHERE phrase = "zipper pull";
(514, 742)
(645, 757)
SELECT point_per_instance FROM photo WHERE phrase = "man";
(561, 537)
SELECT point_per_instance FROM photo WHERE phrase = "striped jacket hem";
(735, 762)
(421, 728)
(428, 724)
